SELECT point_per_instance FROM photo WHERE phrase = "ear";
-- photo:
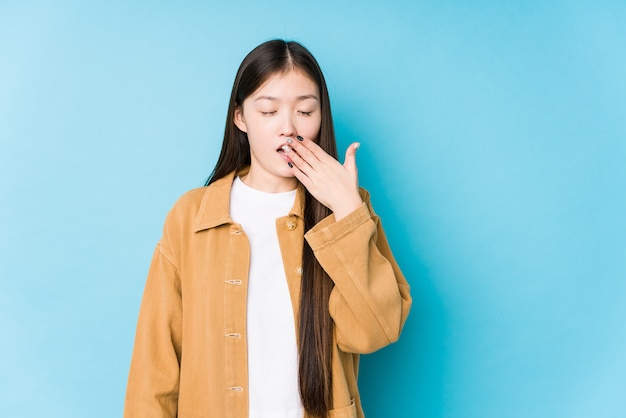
(240, 122)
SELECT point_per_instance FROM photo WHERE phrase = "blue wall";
(493, 141)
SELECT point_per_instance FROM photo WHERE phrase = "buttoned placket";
(235, 298)
(290, 239)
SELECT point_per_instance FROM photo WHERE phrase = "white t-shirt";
(272, 349)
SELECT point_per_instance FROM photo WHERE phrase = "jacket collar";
(215, 206)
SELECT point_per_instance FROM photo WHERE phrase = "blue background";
(493, 141)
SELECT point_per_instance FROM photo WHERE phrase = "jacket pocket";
(346, 412)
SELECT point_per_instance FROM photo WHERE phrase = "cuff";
(328, 230)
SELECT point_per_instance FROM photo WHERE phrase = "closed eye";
(268, 113)
(306, 113)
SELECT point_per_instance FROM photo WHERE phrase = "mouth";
(283, 149)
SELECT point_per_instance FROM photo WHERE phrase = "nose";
(287, 128)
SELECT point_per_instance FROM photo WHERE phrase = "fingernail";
(299, 138)
(357, 146)
(290, 165)
(289, 141)
(286, 148)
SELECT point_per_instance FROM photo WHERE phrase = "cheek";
(257, 128)
(310, 128)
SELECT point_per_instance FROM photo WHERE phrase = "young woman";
(270, 281)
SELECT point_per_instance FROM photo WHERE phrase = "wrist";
(347, 207)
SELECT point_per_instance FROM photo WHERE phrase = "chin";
(286, 174)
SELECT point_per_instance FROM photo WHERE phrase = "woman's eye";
(306, 113)
(268, 113)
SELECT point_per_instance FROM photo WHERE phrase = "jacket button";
(299, 271)
(291, 225)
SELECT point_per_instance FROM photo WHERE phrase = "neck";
(269, 183)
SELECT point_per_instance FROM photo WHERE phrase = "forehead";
(292, 84)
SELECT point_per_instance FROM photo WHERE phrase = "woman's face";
(286, 105)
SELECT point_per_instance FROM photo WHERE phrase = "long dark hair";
(315, 337)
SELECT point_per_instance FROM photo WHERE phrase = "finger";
(309, 148)
(350, 160)
(300, 175)
(299, 162)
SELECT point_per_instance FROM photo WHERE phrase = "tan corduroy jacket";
(190, 354)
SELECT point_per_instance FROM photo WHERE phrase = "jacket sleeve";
(153, 381)
(370, 301)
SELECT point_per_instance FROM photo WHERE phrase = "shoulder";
(204, 207)
(181, 216)
(189, 201)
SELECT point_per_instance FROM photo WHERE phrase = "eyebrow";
(299, 98)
